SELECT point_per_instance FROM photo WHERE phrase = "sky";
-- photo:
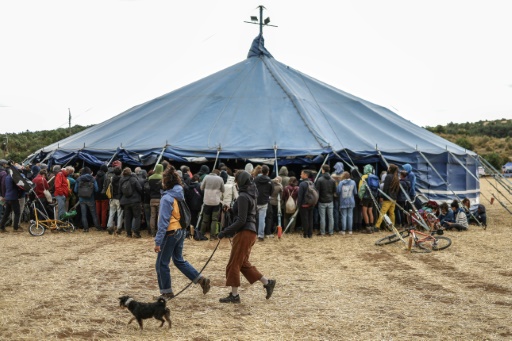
(432, 62)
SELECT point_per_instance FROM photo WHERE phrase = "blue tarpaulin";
(258, 105)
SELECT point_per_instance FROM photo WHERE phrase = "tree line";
(490, 139)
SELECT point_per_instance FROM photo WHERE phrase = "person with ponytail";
(388, 201)
(170, 237)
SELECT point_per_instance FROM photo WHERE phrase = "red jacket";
(41, 185)
(61, 184)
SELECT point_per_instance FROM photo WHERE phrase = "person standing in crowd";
(101, 197)
(305, 210)
(411, 177)
(11, 194)
(115, 204)
(358, 215)
(275, 199)
(283, 173)
(72, 199)
(265, 187)
(3, 174)
(212, 187)
(244, 230)
(292, 190)
(203, 172)
(366, 199)
(61, 189)
(401, 199)
(194, 199)
(390, 189)
(326, 187)
(347, 191)
(336, 176)
(228, 197)
(145, 207)
(155, 194)
(131, 190)
(87, 202)
(40, 185)
(170, 237)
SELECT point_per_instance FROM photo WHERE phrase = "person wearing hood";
(336, 176)
(203, 171)
(87, 202)
(155, 194)
(249, 168)
(243, 229)
(326, 187)
(101, 197)
(347, 191)
(228, 197)
(170, 237)
(366, 202)
(411, 177)
(130, 202)
(283, 173)
(265, 188)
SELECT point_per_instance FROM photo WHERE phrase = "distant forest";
(489, 139)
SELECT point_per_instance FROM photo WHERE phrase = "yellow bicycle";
(43, 222)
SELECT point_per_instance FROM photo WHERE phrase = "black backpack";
(85, 189)
(311, 196)
(185, 216)
(127, 188)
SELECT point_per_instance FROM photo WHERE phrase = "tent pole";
(112, 158)
(497, 175)
(160, 156)
(447, 186)
(217, 157)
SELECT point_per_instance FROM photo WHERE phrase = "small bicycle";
(417, 241)
(43, 222)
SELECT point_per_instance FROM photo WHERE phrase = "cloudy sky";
(432, 62)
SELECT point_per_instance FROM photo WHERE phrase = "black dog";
(142, 311)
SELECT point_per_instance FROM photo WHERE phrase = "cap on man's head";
(3, 162)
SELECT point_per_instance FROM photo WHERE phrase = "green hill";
(489, 139)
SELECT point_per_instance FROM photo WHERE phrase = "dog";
(142, 311)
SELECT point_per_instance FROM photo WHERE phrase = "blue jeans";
(172, 247)
(322, 208)
(61, 201)
(262, 213)
(347, 218)
(91, 205)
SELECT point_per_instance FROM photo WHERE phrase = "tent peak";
(258, 48)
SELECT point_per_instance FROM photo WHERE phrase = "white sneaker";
(270, 236)
(349, 232)
(342, 232)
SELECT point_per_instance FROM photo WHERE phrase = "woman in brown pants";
(244, 230)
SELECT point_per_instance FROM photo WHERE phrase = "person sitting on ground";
(461, 221)
(446, 215)
(476, 215)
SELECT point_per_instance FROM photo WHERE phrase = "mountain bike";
(418, 241)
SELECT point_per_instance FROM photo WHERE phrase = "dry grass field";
(66, 286)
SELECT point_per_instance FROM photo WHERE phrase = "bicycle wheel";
(442, 243)
(392, 238)
(36, 229)
(418, 247)
(435, 243)
(67, 226)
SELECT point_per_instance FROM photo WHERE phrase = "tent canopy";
(260, 108)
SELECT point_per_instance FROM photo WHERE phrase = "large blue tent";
(261, 108)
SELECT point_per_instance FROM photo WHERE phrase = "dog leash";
(208, 261)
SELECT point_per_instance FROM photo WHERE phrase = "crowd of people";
(118, 200)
